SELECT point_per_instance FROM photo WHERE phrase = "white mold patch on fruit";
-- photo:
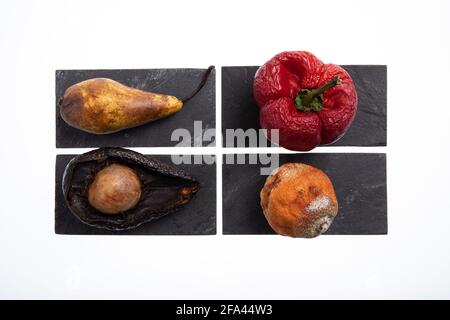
(318, 204)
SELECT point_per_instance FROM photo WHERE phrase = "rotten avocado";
(145, 188)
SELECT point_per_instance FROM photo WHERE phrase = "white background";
(411, 37)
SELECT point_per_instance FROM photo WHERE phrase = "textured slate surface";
(177, 82)
(359, 181)
(239, 110)
(198, 217)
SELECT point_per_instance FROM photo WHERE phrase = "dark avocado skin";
(165, 188)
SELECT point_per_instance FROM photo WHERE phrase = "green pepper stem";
(308, 98)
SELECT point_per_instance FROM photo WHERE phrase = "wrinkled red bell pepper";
(311, 103)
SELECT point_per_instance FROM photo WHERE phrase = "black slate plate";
(359, 181)
(177, 82)
(198, 217)
(239, 110)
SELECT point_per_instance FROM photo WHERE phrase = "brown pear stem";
(200, 86)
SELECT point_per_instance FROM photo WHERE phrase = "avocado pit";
(115, 189)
